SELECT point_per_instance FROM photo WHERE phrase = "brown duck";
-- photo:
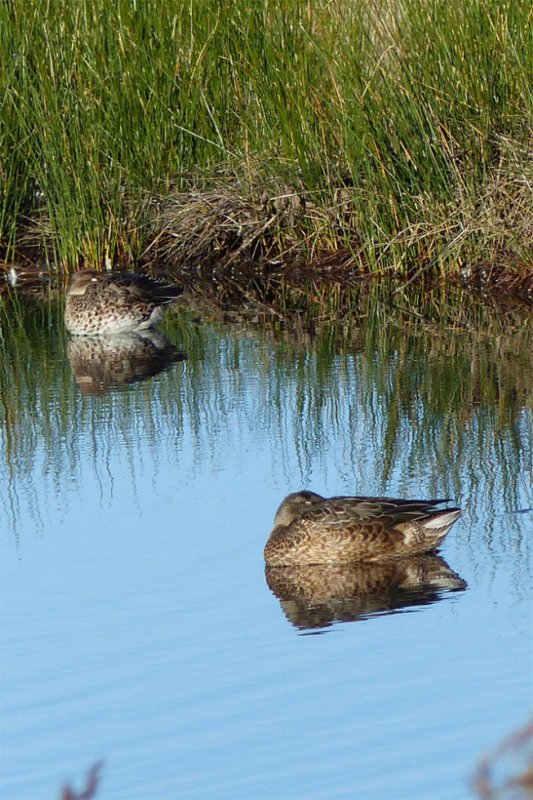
(104, 303)
(311, 529)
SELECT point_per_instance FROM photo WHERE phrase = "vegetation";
(395, 134)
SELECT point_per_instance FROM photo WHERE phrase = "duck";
(108, 303)
(312, 529)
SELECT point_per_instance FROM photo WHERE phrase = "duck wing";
(133, 287)
(373, 513)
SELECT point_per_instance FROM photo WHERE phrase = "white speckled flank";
(107, 303)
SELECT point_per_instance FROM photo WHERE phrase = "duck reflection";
(319, 595)
(101, 364)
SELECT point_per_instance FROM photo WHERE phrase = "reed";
(398, 132)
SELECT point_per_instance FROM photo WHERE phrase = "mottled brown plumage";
(103, 303)
(311, 529)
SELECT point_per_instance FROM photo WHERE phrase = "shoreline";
(323, 139)
(325, 291)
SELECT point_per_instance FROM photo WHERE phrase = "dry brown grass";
(233, 221)
(516, 785)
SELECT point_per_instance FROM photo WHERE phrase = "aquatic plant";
(396, 134)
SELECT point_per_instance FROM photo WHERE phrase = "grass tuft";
(398, 131)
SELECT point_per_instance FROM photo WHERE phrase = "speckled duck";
(109, 303)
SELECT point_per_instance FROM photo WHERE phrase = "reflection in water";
(139, 517)
(319, 595)
(103, 363)
(402, 411)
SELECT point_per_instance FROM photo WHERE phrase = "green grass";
(398, 132)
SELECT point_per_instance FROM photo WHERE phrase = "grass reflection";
(393, 402)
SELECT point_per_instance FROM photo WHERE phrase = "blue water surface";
(137, 626)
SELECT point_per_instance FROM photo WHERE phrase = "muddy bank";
(237, 242)
(225, 255)
(309, 295)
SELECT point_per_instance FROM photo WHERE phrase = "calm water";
(137, 622)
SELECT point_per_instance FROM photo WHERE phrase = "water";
(137, 623)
